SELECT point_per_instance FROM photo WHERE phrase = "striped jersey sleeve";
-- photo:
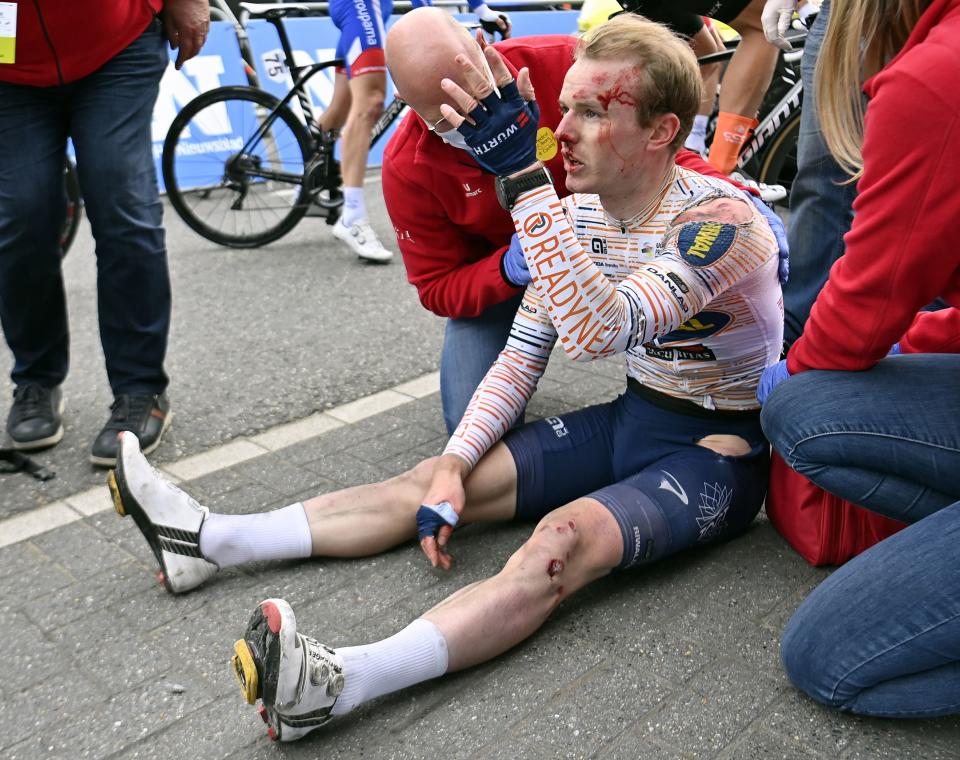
(507, 387)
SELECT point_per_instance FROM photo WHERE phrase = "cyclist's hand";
(776, 18)
(500, 129)
(185, 24)
(492, 21)
(441, 508)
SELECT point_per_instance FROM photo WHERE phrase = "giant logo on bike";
(697, 328)
(702, 243)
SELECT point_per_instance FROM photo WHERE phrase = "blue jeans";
(108, 116)
(820, 207)
(881, 636)
(470, 347)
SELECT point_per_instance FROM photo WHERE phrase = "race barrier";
(313, 40)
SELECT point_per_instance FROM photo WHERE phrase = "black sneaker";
(34, 421)
(146, 416)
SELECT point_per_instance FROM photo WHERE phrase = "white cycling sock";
(417, 653)
(354, 209)
(697, 138)
(231, 540)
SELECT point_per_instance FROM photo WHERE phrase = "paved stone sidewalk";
(677, 661)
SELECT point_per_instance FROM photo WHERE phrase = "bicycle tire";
(74, 209)
(247, 209)
(777, 164)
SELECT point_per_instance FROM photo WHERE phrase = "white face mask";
(452, 136)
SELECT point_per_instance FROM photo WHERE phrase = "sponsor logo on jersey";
(678, 281)
(699, 327)
(537, 225)
(672, 286)
(598, 246)
(689, 353)
(558, 427)
(703, 243)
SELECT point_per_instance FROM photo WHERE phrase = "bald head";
(420, 49)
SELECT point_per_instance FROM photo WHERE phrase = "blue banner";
(313, 40)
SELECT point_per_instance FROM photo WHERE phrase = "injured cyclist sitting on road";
(676, 271)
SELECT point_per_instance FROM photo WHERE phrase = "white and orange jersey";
(692, 301)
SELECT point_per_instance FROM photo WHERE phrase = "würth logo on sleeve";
(537, 225)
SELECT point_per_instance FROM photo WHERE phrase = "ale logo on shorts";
(538, 224)
(702, 243)
(546, 144)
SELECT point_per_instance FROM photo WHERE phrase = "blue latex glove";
(771, 378)
(504, 136)
(779, 232)
(432, 517)
(513, 265)
(894, 350)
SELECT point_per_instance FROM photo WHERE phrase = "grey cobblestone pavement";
(676, 661)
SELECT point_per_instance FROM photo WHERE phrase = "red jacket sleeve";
(933, 332)
(452, 279)
(899, 251)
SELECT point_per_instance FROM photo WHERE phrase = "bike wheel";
(777, 165)
(228, 185)
(71, 191)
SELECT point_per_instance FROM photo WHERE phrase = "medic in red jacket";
(450, 228)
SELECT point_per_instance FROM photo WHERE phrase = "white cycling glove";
(776, 18)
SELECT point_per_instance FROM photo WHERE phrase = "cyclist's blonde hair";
(670, 76)
(862, 36)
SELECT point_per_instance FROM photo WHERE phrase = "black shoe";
(146, 416)
(34, 420)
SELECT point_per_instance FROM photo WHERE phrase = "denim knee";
(783, 413)
(804, 660)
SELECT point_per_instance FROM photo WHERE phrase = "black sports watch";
(509, 189)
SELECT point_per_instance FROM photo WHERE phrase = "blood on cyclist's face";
(601, 141)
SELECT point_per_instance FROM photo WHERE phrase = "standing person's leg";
(361, 46)
(874, 438)
(33, 311)
(820, 201)
(705, 42)
(881, 636)
(470, 347)
(112, 111)
(745, 81)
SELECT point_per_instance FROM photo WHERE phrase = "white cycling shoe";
(169, 519)
(297, 678)
(362, 240)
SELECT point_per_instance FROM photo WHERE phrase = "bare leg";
(335, 116)
(367, 95)
(372, 518)
(571, 547)
(706, 42)
(751, 68)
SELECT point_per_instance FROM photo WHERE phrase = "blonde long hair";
(862, 36)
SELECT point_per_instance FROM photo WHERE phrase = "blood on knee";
(725, 445)
(554, 567)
